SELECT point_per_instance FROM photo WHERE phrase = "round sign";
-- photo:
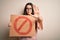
(22, 25)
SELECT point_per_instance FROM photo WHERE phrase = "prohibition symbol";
(22, 25)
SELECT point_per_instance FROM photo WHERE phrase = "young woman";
(31, 9)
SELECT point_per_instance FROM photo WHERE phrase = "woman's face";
(29, 9)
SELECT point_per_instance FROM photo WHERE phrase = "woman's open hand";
(36, 10)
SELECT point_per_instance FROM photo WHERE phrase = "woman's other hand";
(9, 25)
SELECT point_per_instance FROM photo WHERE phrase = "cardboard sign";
(22, 25)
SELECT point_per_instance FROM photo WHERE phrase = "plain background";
(49, 10)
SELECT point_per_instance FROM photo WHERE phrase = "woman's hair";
(25, 12)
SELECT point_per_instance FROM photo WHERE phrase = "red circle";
(27, 19)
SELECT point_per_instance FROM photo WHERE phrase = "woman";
(31, 9)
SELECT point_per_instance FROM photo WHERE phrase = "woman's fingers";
(36, 10)
(9, 25)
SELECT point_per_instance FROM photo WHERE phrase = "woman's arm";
(40, 23)
(39, 18)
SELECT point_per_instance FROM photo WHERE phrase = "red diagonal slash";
(22, 25)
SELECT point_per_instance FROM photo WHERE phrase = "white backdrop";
(49, 10)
